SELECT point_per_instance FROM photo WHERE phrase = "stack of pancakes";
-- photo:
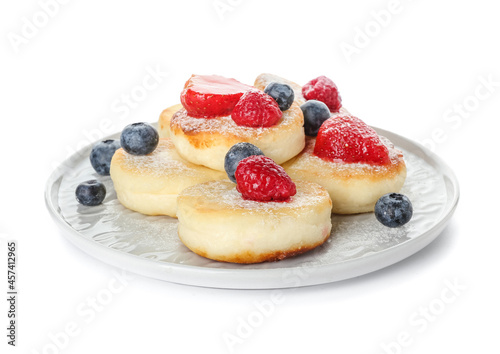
(185, 178)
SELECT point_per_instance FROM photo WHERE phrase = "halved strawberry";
(209, 96)
(350, 140)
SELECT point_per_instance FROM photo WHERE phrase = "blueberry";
(393, 209)
(315, 113)
(90, 193)
(236, 153)
(101, 155)
(139, 139)
(282, 93)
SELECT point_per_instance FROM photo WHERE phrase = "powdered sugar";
(224, 195)
(163, 162)
(224, 127)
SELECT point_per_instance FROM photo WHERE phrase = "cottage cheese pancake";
(205, 141)
(353, 187)
(150, 184)
(217, 223)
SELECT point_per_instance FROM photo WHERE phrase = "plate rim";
(262, 278)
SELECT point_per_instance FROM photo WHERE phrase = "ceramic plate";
(149, 245)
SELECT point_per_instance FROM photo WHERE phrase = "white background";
(64, 78)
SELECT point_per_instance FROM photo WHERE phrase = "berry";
(282, 93)
(260, 178)
(236, 153)
(393, 209)
(350, 140)
(323, 89)
(90, 193)
(256, 109)
(101, 155)
(315, 113)
(139, 139)
(209, 96)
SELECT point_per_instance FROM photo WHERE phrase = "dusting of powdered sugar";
(224, 195)
(163, 162)
(226, 127)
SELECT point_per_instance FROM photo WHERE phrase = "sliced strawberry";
(349, 139)
(260, 178)
(209, 96)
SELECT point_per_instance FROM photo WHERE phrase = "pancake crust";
(164, 120)
(150, 184)
(217, 223)
(205, 141)
(353, 187)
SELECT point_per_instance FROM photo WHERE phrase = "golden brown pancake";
(164, 120)
(217, 223)
(150, 184)
(353, 187)
(205, 141)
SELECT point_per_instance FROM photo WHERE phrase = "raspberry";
(349, 139)
(260, 178)
(256, 109)
(323, 89)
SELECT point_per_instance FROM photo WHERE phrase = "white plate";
(149, 245)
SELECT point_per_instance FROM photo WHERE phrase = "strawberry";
(260, 178)
(209, 96)
(350, 140)
(323, 89)
(256, 109)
